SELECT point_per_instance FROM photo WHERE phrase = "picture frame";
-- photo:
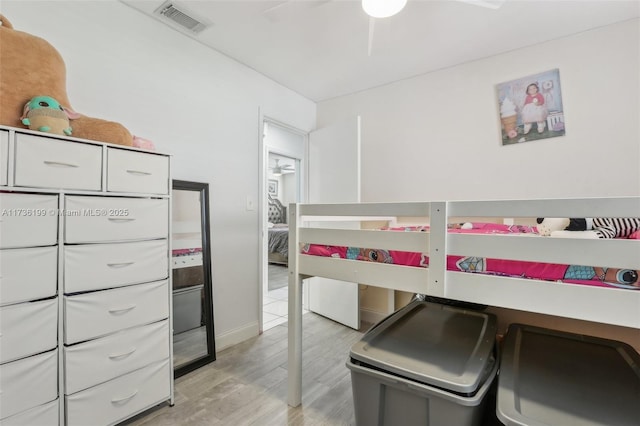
(530, 108)
(272, 187)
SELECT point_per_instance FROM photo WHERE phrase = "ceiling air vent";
(180, 16)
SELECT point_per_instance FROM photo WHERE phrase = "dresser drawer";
(97, 361)
(28, 329)
(103, 219)
(99, 266)
(28, 383)
(4, 157)
(42, 415)
(95, 314)
(132, 171)
(43, 162)
(110, 402)
(28, 220)
(20, 281)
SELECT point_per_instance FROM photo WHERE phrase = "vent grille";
(181, 17)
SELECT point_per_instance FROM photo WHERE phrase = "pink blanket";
(577, 274)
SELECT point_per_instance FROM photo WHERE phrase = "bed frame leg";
(294, 363)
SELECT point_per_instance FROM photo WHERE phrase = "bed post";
(437, 249)
(294, 362)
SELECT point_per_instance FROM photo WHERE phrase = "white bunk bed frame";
(605, 305)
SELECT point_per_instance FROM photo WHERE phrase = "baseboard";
(372, 317)
(238, 335)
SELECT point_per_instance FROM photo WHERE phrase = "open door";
(334, 177)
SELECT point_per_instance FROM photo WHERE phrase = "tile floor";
(275, 302)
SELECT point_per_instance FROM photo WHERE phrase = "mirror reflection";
(192, 307)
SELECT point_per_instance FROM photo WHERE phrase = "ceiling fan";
(385, 8)
(376, 9)
(279, 170)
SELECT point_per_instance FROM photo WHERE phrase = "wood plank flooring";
(247, 384)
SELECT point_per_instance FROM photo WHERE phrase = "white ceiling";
(319, 48)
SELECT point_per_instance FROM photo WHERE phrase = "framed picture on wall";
(272, 187)
(530, 108)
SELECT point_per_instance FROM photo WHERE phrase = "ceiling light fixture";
(383, 8)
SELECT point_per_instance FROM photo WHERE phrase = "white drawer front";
(97, 361)
(43, 162)
(28, 220)
(132, 171)
(28, 383)
(4, 156)
(111, 402)
(28, 328)
(42, 415)
(99, 313)
(20, 281)
(99, 266)
(103, 219)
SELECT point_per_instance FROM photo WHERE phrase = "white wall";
(437, 136)
(192, 102)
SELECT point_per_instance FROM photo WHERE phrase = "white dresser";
(85, 312)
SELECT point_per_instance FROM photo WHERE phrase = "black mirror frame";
(203, 189)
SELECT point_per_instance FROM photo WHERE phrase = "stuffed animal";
(45, 114)
(29, 67)
(598, 227)
(142, 143)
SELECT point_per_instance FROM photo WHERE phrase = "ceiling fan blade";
(287, 10)
(491, 4)
(372, 23)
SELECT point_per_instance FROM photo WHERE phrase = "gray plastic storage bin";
(426, 364)
(187, 308)
(549, 377)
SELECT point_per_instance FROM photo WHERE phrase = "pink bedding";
(577, 274)
(186, 251)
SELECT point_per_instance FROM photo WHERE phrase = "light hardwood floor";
(247, 384)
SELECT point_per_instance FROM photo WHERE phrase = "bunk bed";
(309, 224)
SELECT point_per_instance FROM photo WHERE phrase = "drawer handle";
(126, 398)
(138, 173)
(123, 354)
(121, 310)
(59, 164)
(121, 219)
(119, 265)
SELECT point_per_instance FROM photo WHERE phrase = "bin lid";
(548, 377)
(442, 346)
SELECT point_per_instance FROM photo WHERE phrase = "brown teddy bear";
(30, 67)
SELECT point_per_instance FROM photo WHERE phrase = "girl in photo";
(534, 109)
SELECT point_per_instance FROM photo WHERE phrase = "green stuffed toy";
(45, 114)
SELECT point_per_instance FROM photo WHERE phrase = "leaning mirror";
(193, 331)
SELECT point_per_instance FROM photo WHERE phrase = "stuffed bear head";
(30, 67)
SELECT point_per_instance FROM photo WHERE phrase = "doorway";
(284, 151)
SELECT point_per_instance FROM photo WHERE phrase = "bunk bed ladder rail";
(294, 361)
